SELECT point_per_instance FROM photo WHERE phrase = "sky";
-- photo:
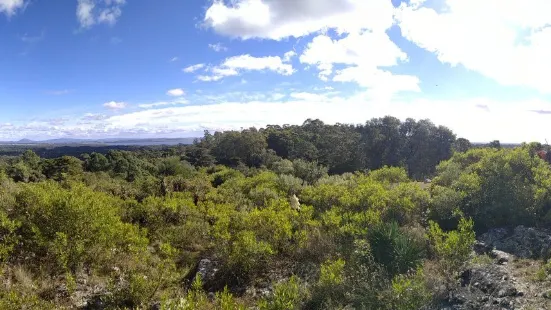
(174, 68)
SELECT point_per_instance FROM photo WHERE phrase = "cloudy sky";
(172, 68)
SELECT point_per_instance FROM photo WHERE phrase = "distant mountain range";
(111, 141)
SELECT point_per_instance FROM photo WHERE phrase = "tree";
(495, 144)
(199, 156)
(462, 145)
(96, 162)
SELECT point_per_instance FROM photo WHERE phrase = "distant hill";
(111, 141)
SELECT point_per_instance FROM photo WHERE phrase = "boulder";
(482, 287)
(523, 242)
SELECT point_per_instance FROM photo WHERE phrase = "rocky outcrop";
(507, 281)
(523, 242)
(484, 287)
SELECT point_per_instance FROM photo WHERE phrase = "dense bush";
(137, 224)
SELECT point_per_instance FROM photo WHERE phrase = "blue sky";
(172, 68)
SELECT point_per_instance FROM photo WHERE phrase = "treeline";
(417, 146)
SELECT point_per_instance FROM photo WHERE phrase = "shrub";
(390, 175)
(78, 226)
(409, 292)
(394, 249)
(309, 171)
(286, 296)
(452, 248)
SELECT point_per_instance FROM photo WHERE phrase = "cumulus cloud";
(94, 117)
(10, 7)
(288, 56)
(92, 12)
(278, 19)
(362, 48)
(114, 105)
(508, 41)
(176, 92)
(234, 65)
(363, 55)
(193, 68)
(218, 47)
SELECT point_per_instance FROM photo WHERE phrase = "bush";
(287, 296)
(78, 226)
(394, 249)
(452, 248)
(390, 175)
(309, 171)
(409, 292)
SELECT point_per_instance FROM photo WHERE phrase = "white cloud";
(236, 110)
(363, 54)
(92, 12)
(115, 105)
(163, 103)
(193, 68)
(218, 47)
(508, 41)
(173, 59)
(277, 19)
(234, 65)
(176, 92)
(310, 96)
(363, 46)
(288, 56)
(94, 117)
(10, 7)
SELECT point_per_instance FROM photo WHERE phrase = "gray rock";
(523, 242)
(481, 248)
(207, 269)
(500, 256)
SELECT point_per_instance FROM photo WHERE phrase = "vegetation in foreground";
(126, 230)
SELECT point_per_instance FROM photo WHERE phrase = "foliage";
(409, 292)
(452, 248)
(286, 296)
(495, 187)
(394, 249)
(137, 222)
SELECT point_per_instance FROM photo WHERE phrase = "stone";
(523, 242)
(501, 257)
(208, 270)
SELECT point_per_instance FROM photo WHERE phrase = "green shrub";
(452, 248)
(15, 300)
(286, 296)
(409, 292)
(394, 249)
(78, 226)
(390, 175)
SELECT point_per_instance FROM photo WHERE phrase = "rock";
(483, 287)
(507, 291)
(523, 242)
(208, 270)
(481, 248)
(500, 256)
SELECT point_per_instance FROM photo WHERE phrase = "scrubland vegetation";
(126, 230)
